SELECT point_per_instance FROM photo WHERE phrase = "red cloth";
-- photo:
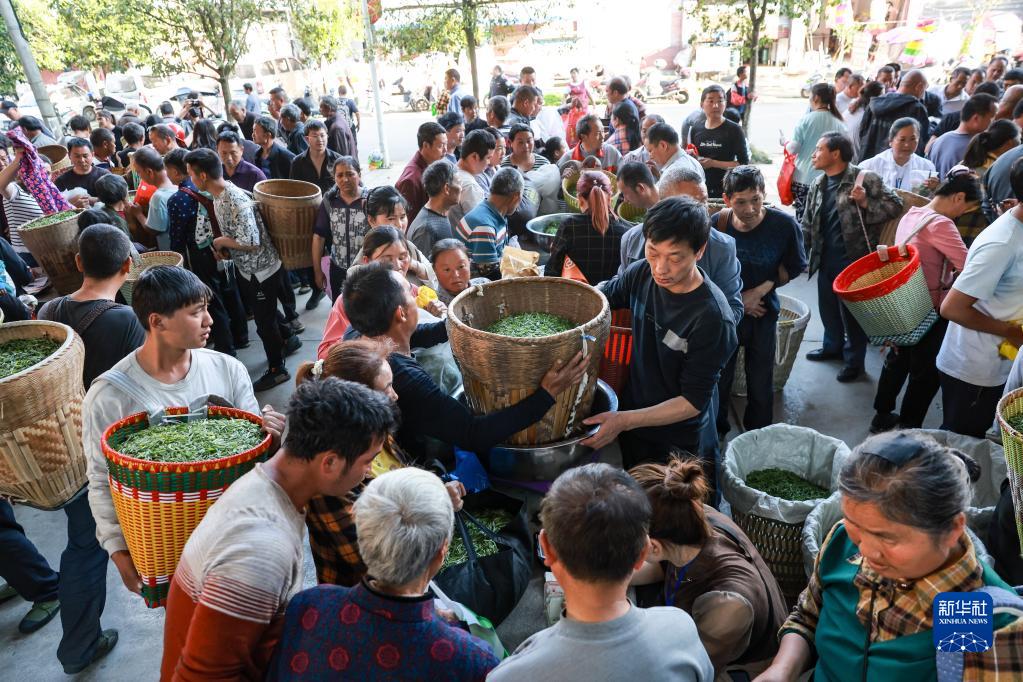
(410, 185)
(35, 177)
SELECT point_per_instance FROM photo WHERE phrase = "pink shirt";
(337, 325)
(937, 242)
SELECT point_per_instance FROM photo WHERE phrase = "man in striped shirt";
(484, 229)
(243, 563)
(522, 155)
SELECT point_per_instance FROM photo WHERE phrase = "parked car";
(133, 88)
(287, 72)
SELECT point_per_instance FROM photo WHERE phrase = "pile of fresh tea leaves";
(19, 354)
(785, 485)
(494, 519)
(552, 228)
(1016, 422)
(49, 219)
(530, 325)
(192, 441)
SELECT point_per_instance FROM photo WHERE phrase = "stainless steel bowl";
(545, 462)
(536, 228)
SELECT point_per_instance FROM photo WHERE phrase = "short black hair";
(133, 133)
(478, 142)
(987, 88)
(1016, 178)
(380, 237)
(305, 107)
(743, 179)
(78, 122)
(661, 132)
(371, 294)
(313, 125)
(584, 126)
(453, 73)
(346, 160)
(92, 216)
(100, 136)
(445, 245)
(518, 128)
(103, 249)
(176, 158)
(30, 123)
(596, 518)
(467, 102)
(710, 90)
(247, 87)
(1013, 75)
(525, 92)
(75, 142)
(677, 219)
(635, 173)
(163, 130)
(110, 189)
(328, 101)
(267, 124)
(166, 108)
(499, 107)
(205, 161)
(278, 90)
(166, 289)
(840, 142)
(383, 199)
(439, 175)
(843, 71)
(149, 158)
(619, 85)
(450, 119)
(342, 417)
(230, 137)
(428, 132)
(978, 105)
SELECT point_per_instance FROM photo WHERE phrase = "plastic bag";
(814, 456)
(478, 625)
(788, 172)
(547, 180)
(516, 262)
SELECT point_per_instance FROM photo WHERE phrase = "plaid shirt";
(333, 541)
(596, 255)
(619, 140)
(900, 611)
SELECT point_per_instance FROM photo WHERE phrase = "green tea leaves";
(49, 219)
(494, 519)
(528, 325)
(785, 485)
(193, 441)
(20, 354)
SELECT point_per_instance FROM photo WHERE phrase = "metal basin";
(536, 228)
(545, 462)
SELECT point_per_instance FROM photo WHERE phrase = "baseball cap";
(179, 134)
(7, 105)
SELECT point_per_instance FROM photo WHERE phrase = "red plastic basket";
(614, 366)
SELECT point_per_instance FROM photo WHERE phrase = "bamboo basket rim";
(135, 272)
(261, 194)
(69, 339)
(27, 227)
(130, 462)
(1003, 403)
(474, 290)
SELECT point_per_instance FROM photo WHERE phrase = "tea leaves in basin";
(528, 325)
(193, 441)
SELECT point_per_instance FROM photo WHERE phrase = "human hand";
(560, 376)
(456, 491)
(80, 201)
(1007, 205)
(126, 567)
(932, 182)
(436, 307)
(753, 303)
(1014, 334)
(705, 162)
(653, 168)
(859, 195)
(610, 425)
(220, 243)
(273, 424)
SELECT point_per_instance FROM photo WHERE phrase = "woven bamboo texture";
(58, 156)
(895, 313)
(54, 247)
(41, 457)
(614, 366)
(909, 200)
(634, 214)
(289, 210)
(1009, 407)
(568, 189)
(781, 546)
(499, 371)
(792, 321)
(145, 261)
(159, 504)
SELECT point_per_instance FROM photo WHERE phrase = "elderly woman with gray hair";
(869, 612)
(386, 627)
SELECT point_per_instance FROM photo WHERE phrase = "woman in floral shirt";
(341, 224)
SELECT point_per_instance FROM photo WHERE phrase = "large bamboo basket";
(909, 200)
(159, 504)
(499, 371)
(55, 247)
(1010, 407)
(289, 210)
(144, 262)
(41, 457)
(568, 189)
(58, 156)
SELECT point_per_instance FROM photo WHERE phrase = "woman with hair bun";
(710, 569)
(593, 238)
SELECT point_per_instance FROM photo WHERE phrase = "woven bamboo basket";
(289, 210)
(145, 261)
(1010, 407)
(159, 504)
(633, 214)
(568, 188)
(41, 457)
(499, 371)
(792, 321)
(55, 246)
(58, 156)
(909, 200)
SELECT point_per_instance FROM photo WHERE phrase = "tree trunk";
(223, 77)
(469, 19)
(756, 22)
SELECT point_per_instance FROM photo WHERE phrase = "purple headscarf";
(36, 177)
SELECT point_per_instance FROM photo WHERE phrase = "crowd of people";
(377, 403)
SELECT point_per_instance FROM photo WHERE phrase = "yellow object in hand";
(1007, 350)
(426, 294)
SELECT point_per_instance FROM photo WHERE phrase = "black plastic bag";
(491, 586)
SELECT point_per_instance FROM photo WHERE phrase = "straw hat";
(58, 156)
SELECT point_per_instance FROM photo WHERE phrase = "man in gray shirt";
(595, 520)
(431, 224)
(949, 149)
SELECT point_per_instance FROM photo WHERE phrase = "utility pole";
(372, 56)
(28, 63)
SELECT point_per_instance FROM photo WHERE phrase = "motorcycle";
(414, 102)
(675, 87)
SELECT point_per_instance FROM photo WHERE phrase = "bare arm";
(958, 307)
(792, 659)
(611, 424)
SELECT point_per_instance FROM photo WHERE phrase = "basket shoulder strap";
(130, 387)
(50, 312)
(920, 225)
(724, 216)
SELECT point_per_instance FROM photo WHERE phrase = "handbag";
(492, 585)
(788, 171)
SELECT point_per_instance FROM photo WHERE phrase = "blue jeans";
(81, 587)
(842, 333)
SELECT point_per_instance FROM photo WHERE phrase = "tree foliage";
(105, 35)
(44, 33)
(326, 29)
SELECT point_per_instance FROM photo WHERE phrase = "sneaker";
(304, 289)
(291, 345)
(884, 422)
(296, 326)
(41, 613)
(7, 593)
(314, 299)
(107, 641)
(849, 374)
(271, 378)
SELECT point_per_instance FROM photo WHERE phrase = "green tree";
(44, 32)
(106, 35)
(450, 26)
(326, 29)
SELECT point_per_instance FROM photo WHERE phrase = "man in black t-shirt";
(769, 246)
(720, 143)
(683, 334)
(83, 173)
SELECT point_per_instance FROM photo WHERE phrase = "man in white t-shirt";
(170, 369)
(475, 154)
(985, 307)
